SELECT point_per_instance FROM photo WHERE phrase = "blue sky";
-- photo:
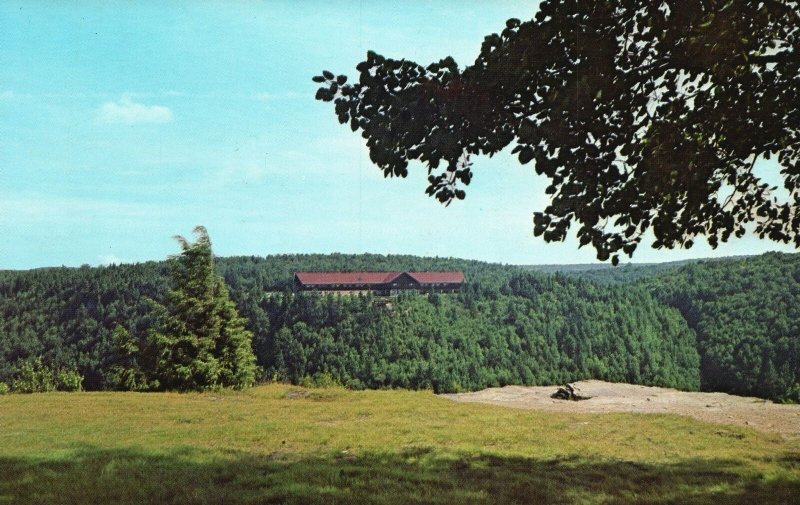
(123, 124)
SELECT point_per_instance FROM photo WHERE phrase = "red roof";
(345, 277)
(377, 277)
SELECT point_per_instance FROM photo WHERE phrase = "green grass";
(283, 444)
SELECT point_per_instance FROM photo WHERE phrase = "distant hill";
(744, 310)
(624, 273)
(506, 326)
(730, 324)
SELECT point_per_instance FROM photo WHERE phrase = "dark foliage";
(644, 115)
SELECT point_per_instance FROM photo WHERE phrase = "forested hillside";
(66, 315)
(540, 330)
(506, 326)
(603, 273)
(746, 315)
(741, 316)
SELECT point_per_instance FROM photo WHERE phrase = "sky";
(123, 124)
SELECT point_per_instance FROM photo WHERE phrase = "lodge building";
(378, 283)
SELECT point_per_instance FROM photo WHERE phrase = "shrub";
(792, 395)
(68, 380)
(128, 378)
(3, 388)
(33, 377)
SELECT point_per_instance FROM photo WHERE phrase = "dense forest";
(725, 325)
(541, 330)
(745, 313)
(627, 273)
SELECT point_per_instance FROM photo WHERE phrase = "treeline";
(66, 316)
(606, 274)
(724, 325)
(505, 327)
(537, 330)
(745, 313)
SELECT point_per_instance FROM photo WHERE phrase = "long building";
(378, 283)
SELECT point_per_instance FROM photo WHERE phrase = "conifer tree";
(201, 341)
(126, 374)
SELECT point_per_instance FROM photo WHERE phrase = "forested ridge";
(506, 326)
(604, 273)
(745, 313)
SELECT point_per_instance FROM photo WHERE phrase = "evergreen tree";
(126, 374)
(200, 340)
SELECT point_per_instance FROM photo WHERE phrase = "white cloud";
(110, 259)
(126, 111)
(6, 95)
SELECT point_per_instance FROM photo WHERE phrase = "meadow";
(286, 444)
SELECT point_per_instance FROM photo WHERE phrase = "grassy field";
(283, 444)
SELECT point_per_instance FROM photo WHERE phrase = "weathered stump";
(568, 392)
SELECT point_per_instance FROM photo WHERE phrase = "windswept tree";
(644, 115)
(200, 340)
